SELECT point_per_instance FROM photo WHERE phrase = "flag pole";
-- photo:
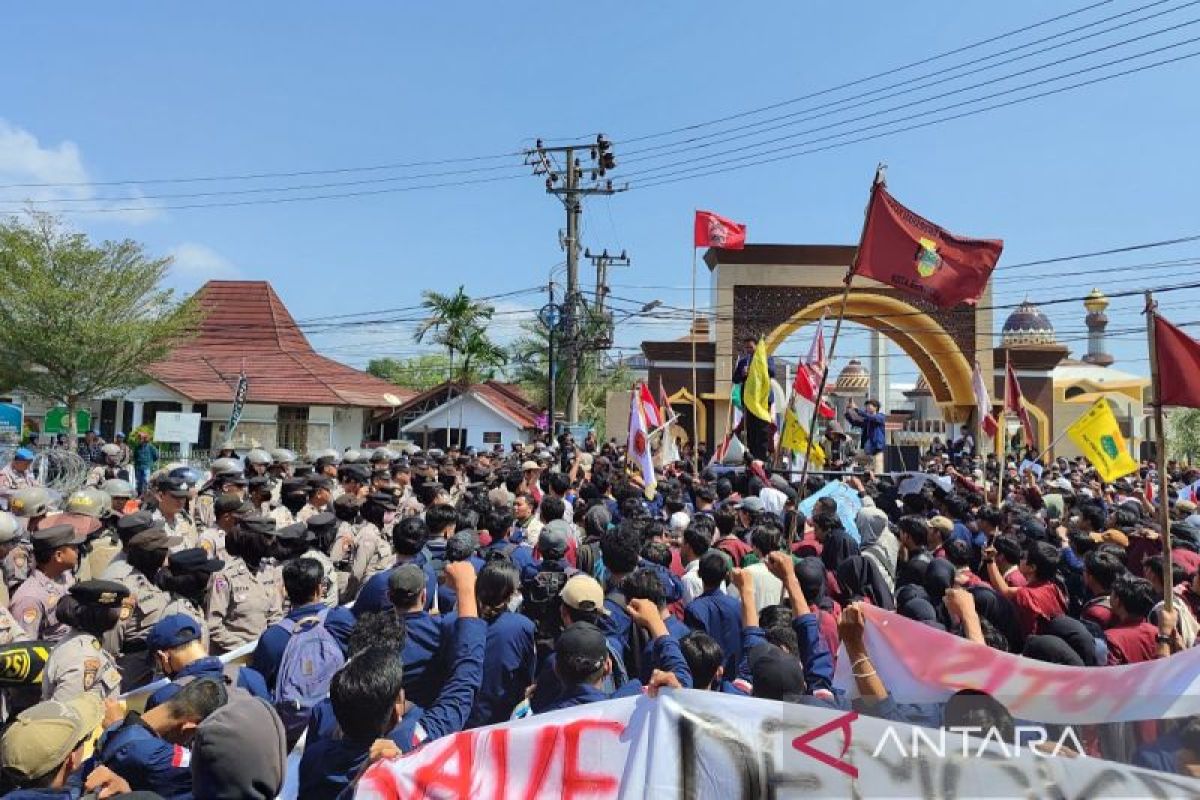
(695, 390)
(1002, 440)
(1160, 454)
(837, 328)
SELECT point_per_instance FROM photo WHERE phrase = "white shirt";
(773, 500)
(768, 590)
(693, 587)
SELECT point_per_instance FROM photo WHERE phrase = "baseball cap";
(583, 593)
(385, 499)
(552, 541)
(23, 454)
(104, 594)
(583, 646)
(405, 584)
(173, 631)
(943, 524)
(42, 736)
(149, 539)
(131, 525)
(528, 465)
(752, 504)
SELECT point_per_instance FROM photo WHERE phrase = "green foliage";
(1183, 433)
(529, 366)
(457, 323)
(79, 319)
(419, 372)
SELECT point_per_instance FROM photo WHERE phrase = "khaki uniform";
(104, 550)
(33, 605)
(309, 510)
(79, 664)
(17, 565)
(370, 555)
(181, 605)
(282, 517)
(118, 569)
(241, 604)
(11, 481)
(143, 608)
(205, 512)
(183, 527)
(329, 583)
(10, 630)
(213, 542)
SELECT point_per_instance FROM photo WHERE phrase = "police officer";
(371, 551)
(146, 552)
(29, 508)
(185, 579)
(322, 528)
(103, 544)
(17, 475)
(55, 554)
(246, 595)
(290, 496)
(173, 495)
(78, 663)
(108, 468)
(354, 479)
(10, 540)
(258, 492)
(320, 495)
(226, 510)
(122, 494)
(227, 477)
(282, 461)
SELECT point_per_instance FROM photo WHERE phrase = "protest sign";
(848, 505)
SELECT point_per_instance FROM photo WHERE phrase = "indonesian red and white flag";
(983, 404)
(638, 445)
(815, 360)
(668, 452)
(649, 409)
(713, 230)
(804, 395)
(1013, 402)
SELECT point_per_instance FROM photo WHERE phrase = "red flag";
(1013, 402)
(1178, 357)
(664, 402)
(914, 255)
(1148, 489)
(713, 230)
(804, 387)
(983, 404)
(650, 415)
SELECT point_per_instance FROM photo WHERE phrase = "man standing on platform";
(871, 422)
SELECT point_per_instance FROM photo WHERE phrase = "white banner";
(920, 664)
(696, 745)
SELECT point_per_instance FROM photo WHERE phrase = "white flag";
(638, 446)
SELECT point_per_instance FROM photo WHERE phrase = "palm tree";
(456, 322)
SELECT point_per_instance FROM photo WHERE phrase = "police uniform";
(241, 604)
(12, 481)
(104, 546)
(78, 663)
(34, 602)
(10, 630)
(145, 606)
(191, 561)
(282, 517)
(212, 541)
(205, 514)
(182, 528)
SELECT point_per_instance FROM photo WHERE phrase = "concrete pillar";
(185, 448)
(878, 367)
(139, 407)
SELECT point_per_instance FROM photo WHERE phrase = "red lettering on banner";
(543, 756)
(841, 723)
(498, 739)
(576, 783)
(434, 779)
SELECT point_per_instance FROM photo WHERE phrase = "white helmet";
(281, 455)
(9, 527)
(118, 488)
(222, 465)
(258, 456)
(381, 454)
(111, 450)
(329, 453)
(351, 457)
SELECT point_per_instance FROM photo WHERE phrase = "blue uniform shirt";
(268, 655)
(373, 596)
(248, 678)
(425, 638)
(720, 616)
(665, 655)
(509, 665)
(676, 630)
(329, 764)
(136, 753)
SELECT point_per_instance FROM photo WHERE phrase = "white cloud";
(195, 263)
(54, 178)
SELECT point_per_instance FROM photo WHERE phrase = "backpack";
(310, 660)
(627, 659)
(587, 556)
(541, 603)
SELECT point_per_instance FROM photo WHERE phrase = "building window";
(491, 437)
(293, 428)
(1073, 391)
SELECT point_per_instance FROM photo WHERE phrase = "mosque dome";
(1027, 325)
(853, 381)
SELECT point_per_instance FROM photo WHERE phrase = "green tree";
(79, 318)
(419, 372)
(1183, 433)
(529, 366)
(456, 322)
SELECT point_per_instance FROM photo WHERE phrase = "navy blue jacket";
(248, 678)
(676, 630)
(666, 655)
(373, 596)
(873, 436)
(268, 655)
(152, 764)
(330, 764)
(509, 666)
(520, 553)
(720, 616)
(426, 638)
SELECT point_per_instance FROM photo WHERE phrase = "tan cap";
(1186, 506)
(1111, 536)
(583, 593)
(528, 465)
(44, 735)
(943, 524)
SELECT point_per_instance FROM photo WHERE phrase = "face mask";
(514, 602)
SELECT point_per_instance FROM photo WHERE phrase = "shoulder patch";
(91, 668)
(30, 615)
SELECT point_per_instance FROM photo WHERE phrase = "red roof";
(247, 326)
(506, 398)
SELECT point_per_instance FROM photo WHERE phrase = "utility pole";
(565, 182)
(602, 261)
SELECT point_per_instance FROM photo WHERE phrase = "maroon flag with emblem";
(713, 230)
(910, 253)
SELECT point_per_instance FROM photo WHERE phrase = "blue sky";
(141, 90)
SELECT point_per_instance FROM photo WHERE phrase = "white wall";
(477, 418)
(347, 428)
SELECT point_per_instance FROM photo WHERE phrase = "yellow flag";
(1099, 438)
(795, 438)
(756, 395)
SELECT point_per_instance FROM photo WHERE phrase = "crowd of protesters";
(369, 602)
